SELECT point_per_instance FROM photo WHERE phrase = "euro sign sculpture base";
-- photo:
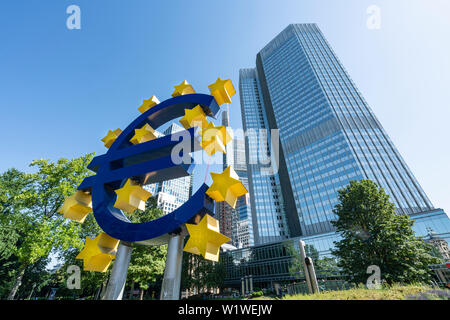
(118, 278)
(171, 284)
(170, 289)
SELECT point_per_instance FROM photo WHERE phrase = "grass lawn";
(394, 292)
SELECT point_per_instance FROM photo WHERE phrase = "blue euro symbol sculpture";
(147, 163)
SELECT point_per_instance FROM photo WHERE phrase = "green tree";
(34, 279)
(12, 184)
(373, 234)
(91, 282)
(324, 266)
(91, 286)
(147, 262)
(201, 274)
(29, 212)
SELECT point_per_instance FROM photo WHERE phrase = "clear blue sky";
(61, 90)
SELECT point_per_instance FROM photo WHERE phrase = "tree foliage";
(30, 228)
(324, 266)
(201, 275)
(147, 262)
(373, 234)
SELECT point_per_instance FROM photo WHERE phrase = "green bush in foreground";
(256, 294)
(392, 292)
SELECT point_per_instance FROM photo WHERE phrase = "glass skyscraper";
(328, 136)
(266, 200)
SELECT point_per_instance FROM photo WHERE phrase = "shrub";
(256, 294)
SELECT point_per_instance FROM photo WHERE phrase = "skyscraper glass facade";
(328, 136)
(328, 133)
(268, 215)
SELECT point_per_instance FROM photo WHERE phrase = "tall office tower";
(269, 217)
(236, 223)
(173, 193)
(328, 136)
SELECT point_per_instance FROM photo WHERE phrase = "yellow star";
(149, 103)
(93, 258)
(183, 88)
(205, 238)
(224, 134)
(107, 244)
(111, 137)
(144, 134)
(77, 206)
(226, 187)
(214, 139)
(222, 91)
(131, 197)
(192, 117)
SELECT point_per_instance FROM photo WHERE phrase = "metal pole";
(170, 289)
(116, 284)
(301, 245)
(312, 274)
(246, 284)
